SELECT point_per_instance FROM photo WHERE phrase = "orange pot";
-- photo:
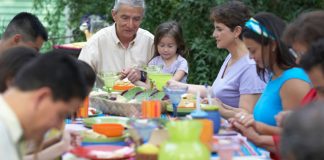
(109, 129)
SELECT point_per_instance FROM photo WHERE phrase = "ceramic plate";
(88, 122)
(100, 152)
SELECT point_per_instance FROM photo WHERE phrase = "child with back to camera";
(169, 51)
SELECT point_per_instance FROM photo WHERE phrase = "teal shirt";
(269, 104)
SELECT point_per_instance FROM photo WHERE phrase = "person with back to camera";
(11, 61)
(14, 59)
(304, 128)
(169, 51)
(24, 29)
(237, 86)
(123, 46)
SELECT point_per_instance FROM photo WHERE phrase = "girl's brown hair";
(170, 28)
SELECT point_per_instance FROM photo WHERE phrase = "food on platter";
(187, 101)
(137, 95)
(123, 85)
(127, 103)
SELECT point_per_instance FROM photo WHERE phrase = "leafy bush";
(204, 58)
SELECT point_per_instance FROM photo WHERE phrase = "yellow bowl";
(160, 79)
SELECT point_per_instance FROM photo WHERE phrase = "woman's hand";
(173, 82)
(245, 119)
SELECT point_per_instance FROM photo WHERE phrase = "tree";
(204, 58)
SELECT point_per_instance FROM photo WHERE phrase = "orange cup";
(206, 135)
(83, 110)
(151, 109)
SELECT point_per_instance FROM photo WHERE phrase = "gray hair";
(133, 3)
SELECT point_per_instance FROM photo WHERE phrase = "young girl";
(169, 49)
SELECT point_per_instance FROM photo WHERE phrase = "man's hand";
(131, 74)
(71, 139)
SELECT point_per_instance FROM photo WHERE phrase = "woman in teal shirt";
(287, 84)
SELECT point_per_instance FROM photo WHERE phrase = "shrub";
(204, 58)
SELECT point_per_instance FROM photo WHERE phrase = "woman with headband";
(287, 84)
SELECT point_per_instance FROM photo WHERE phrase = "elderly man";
(24, 29)
(123, 46)
(40, 97)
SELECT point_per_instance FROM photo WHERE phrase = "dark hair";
(27, 25)
(59, 72)
(232, 14)
(171, 28)
(307, 28)
(89, 73)
(280, 56)
(302, 136)
(11, 61)
(314, 56)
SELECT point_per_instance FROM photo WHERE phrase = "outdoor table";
(248, 149)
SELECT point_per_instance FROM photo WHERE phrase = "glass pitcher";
(184, 142)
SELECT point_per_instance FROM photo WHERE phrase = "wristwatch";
(143, 76)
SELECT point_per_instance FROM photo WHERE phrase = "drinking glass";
(144, 128)
(109, 79)
(175, 93)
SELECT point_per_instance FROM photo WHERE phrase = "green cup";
(160, 79)
(109, 79)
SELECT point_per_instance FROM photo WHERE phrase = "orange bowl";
(109, 129)
(123, 87)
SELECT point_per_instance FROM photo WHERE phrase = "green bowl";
(88, 122)
(181, 111)
(102, 139)
(160, 79)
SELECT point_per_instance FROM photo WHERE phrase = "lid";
(198, 114)
(210, 107)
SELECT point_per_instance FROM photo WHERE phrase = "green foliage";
(286, 9)
(204, 58)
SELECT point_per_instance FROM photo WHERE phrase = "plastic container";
(184, 142)
(83, 109)
(160, 79)
(109, 129)
(213, 115)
